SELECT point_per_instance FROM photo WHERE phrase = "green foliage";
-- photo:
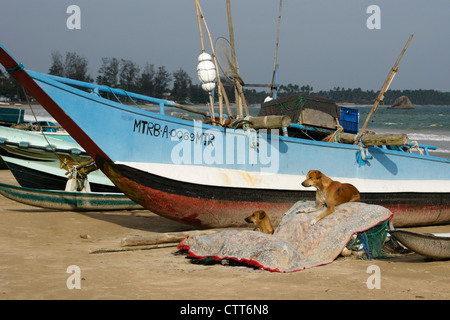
(178, 86)
(358, 96)
(9, 88)
(74, 66)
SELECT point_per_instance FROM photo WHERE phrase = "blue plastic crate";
(349, 119)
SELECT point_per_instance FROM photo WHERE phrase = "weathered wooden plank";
(270, 122)
(168, 237)
(377, 139)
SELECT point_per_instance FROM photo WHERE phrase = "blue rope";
(366, 246)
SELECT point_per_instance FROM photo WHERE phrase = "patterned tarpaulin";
(296, 244)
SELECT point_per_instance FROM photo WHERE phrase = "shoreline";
(39, 245)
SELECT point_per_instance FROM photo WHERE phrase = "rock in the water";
(402, 102)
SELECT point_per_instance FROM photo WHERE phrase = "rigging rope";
(79, 176)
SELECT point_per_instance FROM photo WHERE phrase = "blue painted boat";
(210, 176)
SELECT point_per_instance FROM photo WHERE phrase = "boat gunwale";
(45, 148)
(428, 236)
(426, 244)
(62, 192)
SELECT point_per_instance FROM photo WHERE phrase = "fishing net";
(371, 242)
(292, 106)
(296, 244)
(227, 60)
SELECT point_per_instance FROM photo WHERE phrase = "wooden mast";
(240, 99)
(211, 106)
(276, 50)
(219, 82)
(384, 88)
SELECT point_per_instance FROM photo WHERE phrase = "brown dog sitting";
(261, 221)
(329, 193)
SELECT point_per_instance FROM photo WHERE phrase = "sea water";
(428, 125)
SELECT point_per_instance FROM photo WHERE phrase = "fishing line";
(73, 170)
(38, 124)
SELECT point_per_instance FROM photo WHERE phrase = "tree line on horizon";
(158, 82)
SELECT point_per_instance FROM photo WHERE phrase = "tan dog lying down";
(261, 221)
(329, 193)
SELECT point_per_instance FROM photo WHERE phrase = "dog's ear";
(318, 174)
(262, 215)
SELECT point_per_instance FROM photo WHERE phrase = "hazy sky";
(323, 43)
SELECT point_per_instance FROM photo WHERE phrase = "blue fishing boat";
(213, 176)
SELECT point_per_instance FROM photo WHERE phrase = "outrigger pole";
(384, 88)
(240, 99)
(211, 106)
(221, 90)
(276, 50)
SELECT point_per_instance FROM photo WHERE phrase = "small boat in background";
(43, 162)
(40, 164)
(14, 117)
(432, 245)
(68, 201)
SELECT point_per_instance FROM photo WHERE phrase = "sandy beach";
(39, 245)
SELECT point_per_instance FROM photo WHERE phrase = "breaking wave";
(428, 137)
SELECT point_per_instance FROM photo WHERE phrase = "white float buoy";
(206, 72)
